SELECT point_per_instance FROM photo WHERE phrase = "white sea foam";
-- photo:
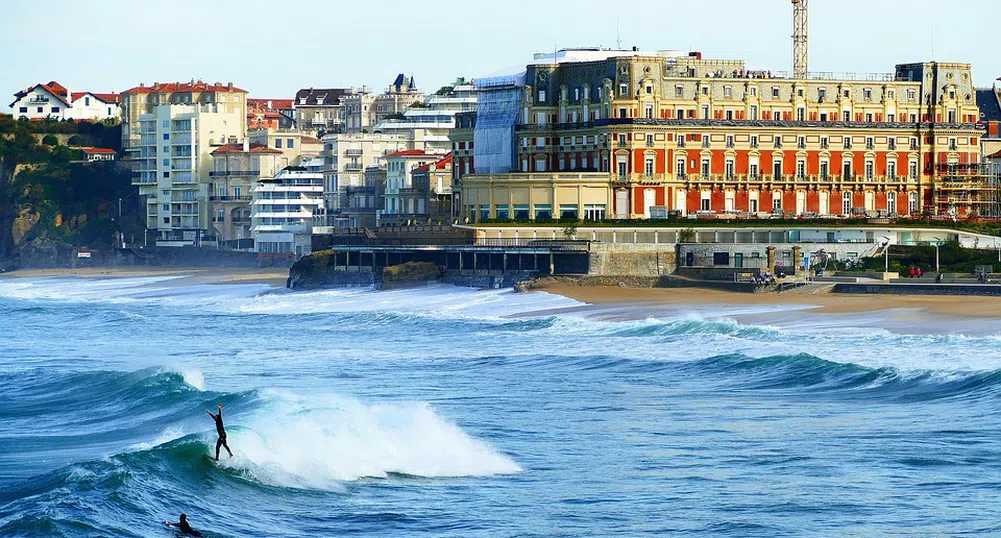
(193, 377)
(169, 434)
(294, 443)
(439, 301)
(78, 289)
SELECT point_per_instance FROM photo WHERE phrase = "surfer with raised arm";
(221, 430)
(183, 526)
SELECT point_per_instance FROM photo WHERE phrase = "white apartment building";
(173, 165)
(346, 156)
(285, 209)
(400, 168)
(435, 119)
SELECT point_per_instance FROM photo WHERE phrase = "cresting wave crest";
(280, 439)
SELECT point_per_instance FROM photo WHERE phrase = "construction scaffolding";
(969, 190)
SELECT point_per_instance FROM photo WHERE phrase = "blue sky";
(274, 48)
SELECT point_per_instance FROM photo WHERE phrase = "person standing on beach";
(221, 430)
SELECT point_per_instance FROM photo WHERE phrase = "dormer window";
(623, 89)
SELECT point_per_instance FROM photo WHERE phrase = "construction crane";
(800, 44)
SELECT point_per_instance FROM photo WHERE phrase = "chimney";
(246, 145)
(142, 84)
(230, 86)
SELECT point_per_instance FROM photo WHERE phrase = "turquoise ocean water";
(454, 412)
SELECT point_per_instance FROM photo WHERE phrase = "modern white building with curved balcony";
(285, 209)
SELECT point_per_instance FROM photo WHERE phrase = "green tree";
(50, 140)
(74, 140)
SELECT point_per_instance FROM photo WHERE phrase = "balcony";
(229, 198)
(235, 173)
(38, 99)
(353, 167)
(354, 152)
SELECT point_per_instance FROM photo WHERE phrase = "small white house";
(40, 101)
(94, 106)
(53, 100)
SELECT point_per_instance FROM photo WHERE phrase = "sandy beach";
(186, 275)
(830, 303)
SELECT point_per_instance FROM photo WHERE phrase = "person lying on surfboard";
(221, 430)
(183, 526)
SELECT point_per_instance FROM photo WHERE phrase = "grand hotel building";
(604, 134)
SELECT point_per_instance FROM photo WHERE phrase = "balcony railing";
(353, 167)
(231, 173)
(229, 198)
(38, 99)
(354, 152)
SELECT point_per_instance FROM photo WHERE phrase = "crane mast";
(800, 43)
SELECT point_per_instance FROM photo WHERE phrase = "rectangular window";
(649, 140)
(801, 142)
(649, 112)
(679, 90)
(848, 142)
(727, 91)
(278, 143)
(290, 143)
(847, 116)
(824, 142)
(542, 96)
(867, 94)
(823, 94)
(754, 112)
(729, 141)
(623, 88)
(754, 141)
(869, 143)
(775, 92)
(648, 167)
(166, 136)
(23, 110)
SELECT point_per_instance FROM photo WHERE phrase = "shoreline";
(275, 277)
(979, 307)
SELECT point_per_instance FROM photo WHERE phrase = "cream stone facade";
(713, 137)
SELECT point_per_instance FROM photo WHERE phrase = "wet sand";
(186, 275)
(829, 303)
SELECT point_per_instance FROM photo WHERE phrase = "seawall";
(993, 290)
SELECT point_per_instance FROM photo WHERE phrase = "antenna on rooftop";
(618, 38)
(800, 42)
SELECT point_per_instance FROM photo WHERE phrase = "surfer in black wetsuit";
(221, 431)
(183, 526)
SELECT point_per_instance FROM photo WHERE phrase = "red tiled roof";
(53, 87)
(410, 153)
(173, 87)
(238, 148)
(422, 167)
(310, 140)
(106, 97)
(105, 151)
(442, 163)
(276, 104)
